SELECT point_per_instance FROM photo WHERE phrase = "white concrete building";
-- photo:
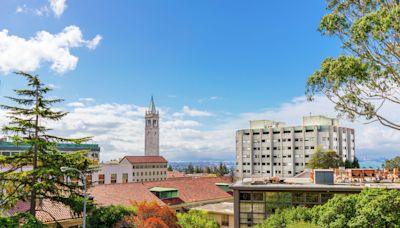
(152, 131)
(131, 169)
(271, 148)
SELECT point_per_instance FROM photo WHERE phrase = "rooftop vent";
(165, 193)
(324, 176)
(223, 186)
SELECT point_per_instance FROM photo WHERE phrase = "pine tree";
(26, 127)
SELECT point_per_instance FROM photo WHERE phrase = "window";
(101, 179)
(245, 196)
(124, 178)
(225, 220)
(113, 178)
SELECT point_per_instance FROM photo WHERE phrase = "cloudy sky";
(211, 65)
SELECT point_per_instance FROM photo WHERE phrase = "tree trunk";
(35, 152)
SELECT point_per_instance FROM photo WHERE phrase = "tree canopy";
(196, 219)
(366, 81)
(393, 163)
(321, 159)
(371, 208)
(105, 217)
(45, 179)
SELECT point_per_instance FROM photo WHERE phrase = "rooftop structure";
(270, 148)
(256, 199)
(9, 148)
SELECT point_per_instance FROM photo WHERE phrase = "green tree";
(393, 163)
(105, 217)
(324, 159)
(221, 169)
(286, 217)
(196, 219)
(190, 169)
(27, 127)
(367, 80)
(352, 165)
(24, 220)
(371, 208)
(170, 168)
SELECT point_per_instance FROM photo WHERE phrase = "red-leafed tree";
(150, 214)
(155, 223)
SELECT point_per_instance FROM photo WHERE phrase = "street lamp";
(82, 176)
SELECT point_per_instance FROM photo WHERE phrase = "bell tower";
(152, 130)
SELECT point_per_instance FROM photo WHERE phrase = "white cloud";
(119, 129)
(21, 9)
(92, 44)
(86, 99)
(187, 111)
(58, 7)
(76, 104)
(212, 98)
(41, 11)
(17, 53)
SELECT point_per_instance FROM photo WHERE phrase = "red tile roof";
(145, 159)
(47, 211)
(123, 194)
(191, 189)
(194, 189)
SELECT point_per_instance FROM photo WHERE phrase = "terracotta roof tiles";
(145, 159)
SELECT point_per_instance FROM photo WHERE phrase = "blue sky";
(236, 50)
(211, 65)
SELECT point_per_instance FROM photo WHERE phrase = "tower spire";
(152, 106)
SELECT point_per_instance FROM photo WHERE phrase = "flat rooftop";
(221, 208)
(337, 187)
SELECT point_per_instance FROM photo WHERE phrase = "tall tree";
(26, 127)
(365, 82)
(393, 163)
(321, 159)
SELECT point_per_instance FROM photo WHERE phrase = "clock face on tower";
(152, 141)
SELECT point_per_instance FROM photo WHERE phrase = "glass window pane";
(271, 197)
(258, 196)
(298, 197)
(285, 197)
(258, 208)
(245, 207)
(312, 197)
(245, 196)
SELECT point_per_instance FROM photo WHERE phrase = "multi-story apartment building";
(131, 169)
(273, 149)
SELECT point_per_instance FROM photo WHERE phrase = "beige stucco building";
(271, 148)
(131, 169)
